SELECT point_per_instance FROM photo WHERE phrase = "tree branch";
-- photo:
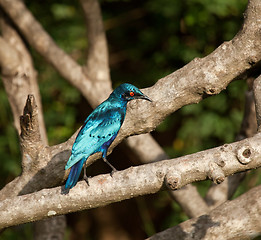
(216, 164)
(224, 222)
(19, 75)
(97, 60)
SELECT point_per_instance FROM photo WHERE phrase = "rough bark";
(148, 150)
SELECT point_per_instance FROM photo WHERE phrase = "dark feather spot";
(103, 136)
(99, 136)
(90, 135)
(109, 134)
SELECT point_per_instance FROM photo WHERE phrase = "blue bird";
(99, 130)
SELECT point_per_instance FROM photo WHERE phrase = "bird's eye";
(131, 94)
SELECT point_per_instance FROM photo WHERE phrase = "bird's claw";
(86, 180)
(112, 172)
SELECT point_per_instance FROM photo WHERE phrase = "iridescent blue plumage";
(100, 129)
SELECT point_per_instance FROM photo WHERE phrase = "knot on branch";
(31, 144)
(211, 91)
(207, 91)
(173, 180)
(29, 121)
(215, 172)
(244, 154)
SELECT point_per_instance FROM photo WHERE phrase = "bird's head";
(128, 92)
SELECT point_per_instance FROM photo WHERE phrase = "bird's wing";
(98, 129)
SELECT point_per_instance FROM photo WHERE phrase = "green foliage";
(9, 147)
(60, 99)
(214, 121)
(18, 233)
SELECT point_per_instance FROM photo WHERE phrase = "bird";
(99, 130)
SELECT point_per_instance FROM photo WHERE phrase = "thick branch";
(237, 219)
(216, 164)
(32, 149)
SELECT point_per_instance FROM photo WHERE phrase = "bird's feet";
(85, 175)
(86, 180)
(114, 170)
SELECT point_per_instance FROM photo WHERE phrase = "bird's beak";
(143, 97)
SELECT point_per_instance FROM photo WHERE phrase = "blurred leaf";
(63, 11)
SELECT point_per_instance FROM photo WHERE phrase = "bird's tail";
(74, 174)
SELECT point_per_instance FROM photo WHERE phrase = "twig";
(257, 94)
